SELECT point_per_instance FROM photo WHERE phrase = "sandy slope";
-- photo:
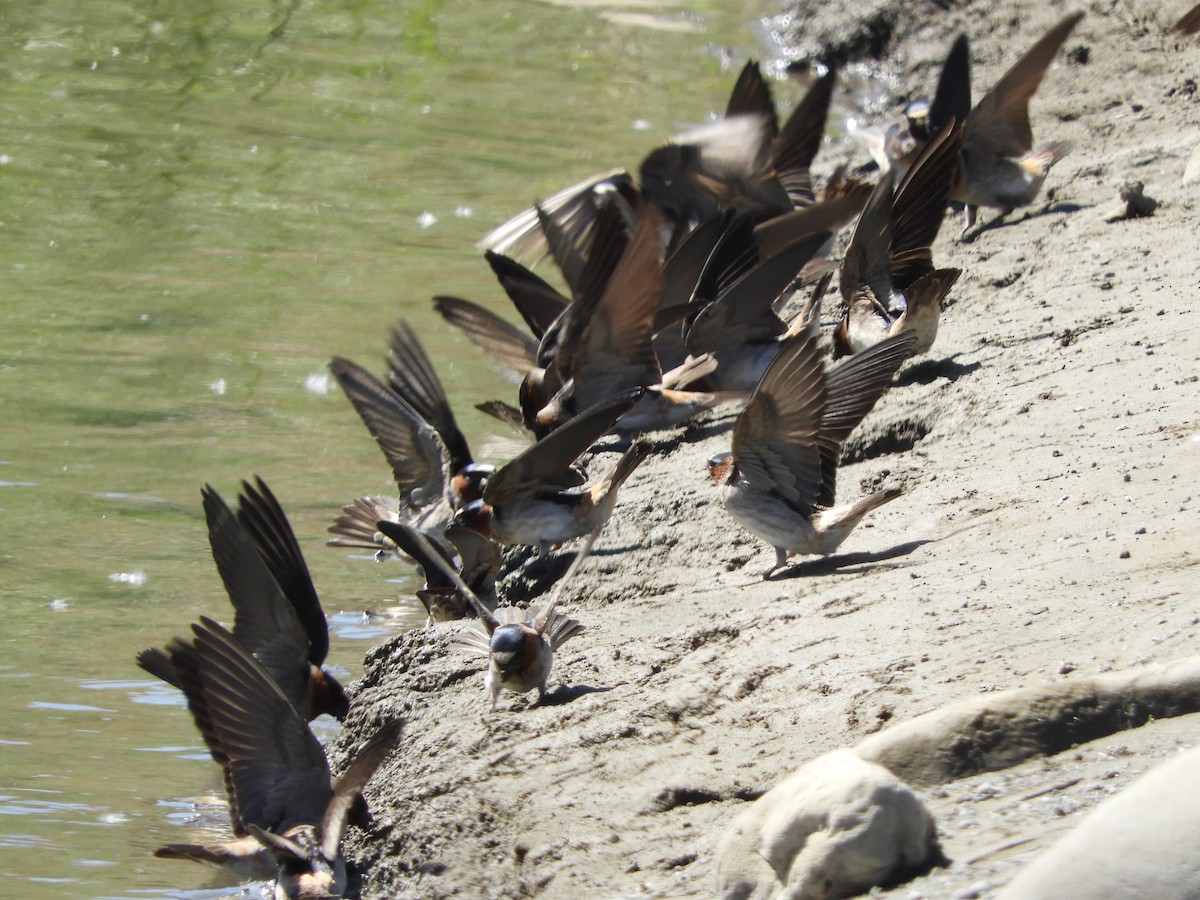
(1050, 452)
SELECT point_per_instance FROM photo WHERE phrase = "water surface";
(200, 203)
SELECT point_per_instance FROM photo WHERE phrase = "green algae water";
(200, 203)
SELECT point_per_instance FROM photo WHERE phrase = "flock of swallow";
(677, 280)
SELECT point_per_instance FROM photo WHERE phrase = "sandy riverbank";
(1049, 448)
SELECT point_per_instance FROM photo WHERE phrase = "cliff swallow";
(887, 277)
(745, 161)
(530, 500)
(606, 345)
(779, 480)
(475, 558)
(276, 776)
(923, 119)
(739, 325)
(421, 464)
(277, 614)
(519, 643)
(1000, 166)
(574, 208)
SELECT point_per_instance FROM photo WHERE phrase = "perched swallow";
(474, 557)
(530, 500)
(276, 776)
(887, 277)
(519, 643)
(277, 614)
(1001, 167)
(779, 480)
(430, 485)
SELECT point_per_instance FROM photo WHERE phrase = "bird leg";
(781, 558)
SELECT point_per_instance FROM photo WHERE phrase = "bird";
(519, 643)
(1000, 166)
(412, 376)
(432, 483)
(745, 160)
(779, 479)
(530, 500)
(738, 325)
(887, 278)
(277, 613)
(475, 558)
(606, 346)
(283, 803)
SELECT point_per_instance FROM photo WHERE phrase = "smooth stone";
(836, 827)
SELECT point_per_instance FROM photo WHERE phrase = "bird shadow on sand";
(1002, 220)
(859, 563)
(567, 693)
(930, 370)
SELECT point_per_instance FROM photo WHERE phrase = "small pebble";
(1124, 554)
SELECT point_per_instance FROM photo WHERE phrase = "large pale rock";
(836, 827)
(1144, 842)
(996, 731)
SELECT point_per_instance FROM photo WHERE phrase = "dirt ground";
(1049, 448)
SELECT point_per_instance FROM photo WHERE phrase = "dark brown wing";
(411, 445)
(276, 765)
(1189, 22)
(351, 783)
(828, 215)
(568, 248)
(507, 344)
(612, 351)
(548, 465)
(412, 376)
(537, 301)
(265, 620)
(952, 99)
(745, 312)
(260, 514)
(574, 207)
(508, 414)
(866, 261)
(685, 266)
(852, 389)
(999, 123)
(919, 206)
(181, 659)
(751, 94)
(775, 438)
(796, 146)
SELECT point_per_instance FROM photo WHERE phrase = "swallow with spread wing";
(531, 500)
(277, 614)
(887, 277)
(286, 811)
(779, 479)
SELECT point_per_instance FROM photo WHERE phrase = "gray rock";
(1144, 842)
(836, 827)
